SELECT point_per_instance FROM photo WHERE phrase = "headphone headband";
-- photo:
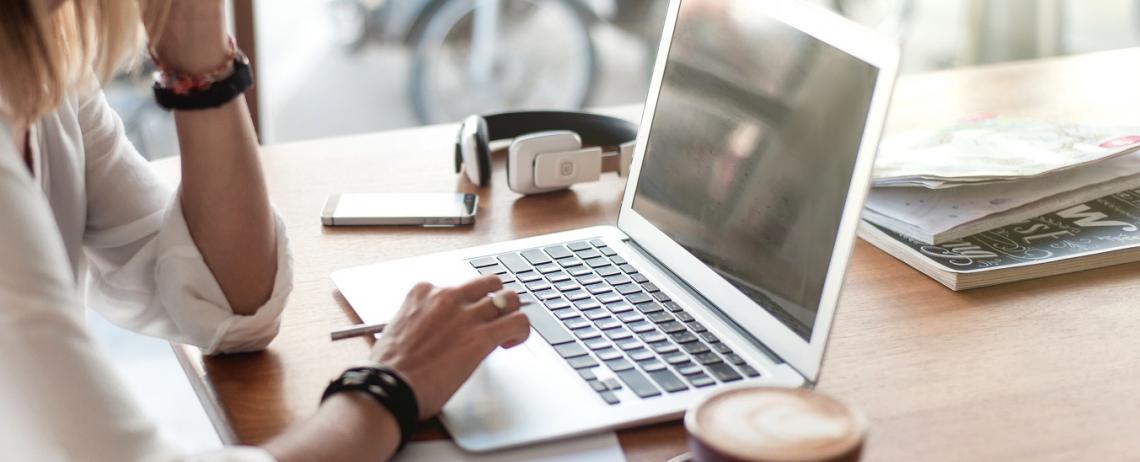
(595, 130)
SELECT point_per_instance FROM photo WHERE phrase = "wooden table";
(1039, 370)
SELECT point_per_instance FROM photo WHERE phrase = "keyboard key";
(637, 383)
(587, 374)
(609, 297)
(557, 251)
(527, 299)
(514, 262)
(606, 271)
(547, 268)
(557, 277)
(690, 369)
(598, 288)
(672, 327)
(683, 337)
(660, 317)
(582, 362)
(675, 359)
(649, 308)
(567, 286)
(638, 297)
(537, 286)
(628, 343)
(565, 313)
(618, 365)
(707, 358)
(694, 348)
(749, 371)
(661, 297)
(672, 307)
(631, 317)
(483, 262)
(640, 354)
(700, 380)
(528, 276)
(578, 271)
(587, 304)
(577, 295)
(589, 254)
(576, 322)
(684, 317)
(653, 365)
(619, 307)
(734, 359)
(506, 277)
(548, 295)
(597, 262)
(570, 350)
(597, 385)
(618, 279)
(598, 343)
(514, 287)
(607, 323)
(612, 383)
(626, 289)
(709, 337)
(587, 333)
(596, 314)
(589, 279)
(605, 250)
(639, 278)
(620, 261)
(609, 397)
(569, 262)
(556, 303)
(650, 287)
(668, 381)
(618, 333)
(535, 256)
(664, 347)
(723, 372)
(651, 336)
(607, 354)
(722, 348)
(626, 268)
(580, 245)
(597, 243)
(641, 327)
(697, 327)
(495, 269)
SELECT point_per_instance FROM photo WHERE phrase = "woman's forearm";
(224, 198)
(348, 427)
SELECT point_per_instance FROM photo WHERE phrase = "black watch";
(216, 95)
(386, 387)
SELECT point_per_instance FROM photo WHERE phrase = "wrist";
(194, 39)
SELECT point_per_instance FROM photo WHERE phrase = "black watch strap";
(216, 95)
(387, 388)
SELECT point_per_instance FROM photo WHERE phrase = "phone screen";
(401, 205)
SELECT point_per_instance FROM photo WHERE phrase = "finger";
(509, 330)
(420, 290)
(487, 309)
(475, 289)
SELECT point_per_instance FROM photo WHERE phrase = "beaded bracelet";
(181, 83)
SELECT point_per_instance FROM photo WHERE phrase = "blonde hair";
(46, 52)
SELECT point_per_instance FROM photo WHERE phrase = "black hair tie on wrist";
(388, 389)
(213, 96)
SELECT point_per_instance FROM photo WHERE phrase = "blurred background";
(340, 67)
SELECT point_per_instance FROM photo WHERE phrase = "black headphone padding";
(595, 130)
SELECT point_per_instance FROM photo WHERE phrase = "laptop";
(725, 266)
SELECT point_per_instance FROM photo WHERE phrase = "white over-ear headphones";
(547, 153)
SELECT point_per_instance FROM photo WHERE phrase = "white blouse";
(95, 227)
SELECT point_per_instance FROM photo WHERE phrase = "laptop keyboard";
(598, 311)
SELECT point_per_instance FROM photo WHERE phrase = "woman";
(82, 214)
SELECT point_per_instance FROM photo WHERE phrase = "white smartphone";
(415, 209)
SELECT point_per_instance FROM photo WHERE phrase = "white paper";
(596, 448)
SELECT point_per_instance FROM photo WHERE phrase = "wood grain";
(1038, 370)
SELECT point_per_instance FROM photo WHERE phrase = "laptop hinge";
(714, 309)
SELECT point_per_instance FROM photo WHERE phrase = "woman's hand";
(440, 335)
(192, 36)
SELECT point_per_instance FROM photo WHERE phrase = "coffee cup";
(772, 424)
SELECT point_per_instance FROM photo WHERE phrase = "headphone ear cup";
(483, 152)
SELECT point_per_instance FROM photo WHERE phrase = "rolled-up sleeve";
(144, 271)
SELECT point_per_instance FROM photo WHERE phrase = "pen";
(366, 329)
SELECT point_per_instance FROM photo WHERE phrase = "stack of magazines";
(994, 200)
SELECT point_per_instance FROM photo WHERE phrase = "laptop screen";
(751, 152)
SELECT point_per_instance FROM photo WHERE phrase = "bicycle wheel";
(483, 56)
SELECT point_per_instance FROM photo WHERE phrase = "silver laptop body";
(752, 164)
